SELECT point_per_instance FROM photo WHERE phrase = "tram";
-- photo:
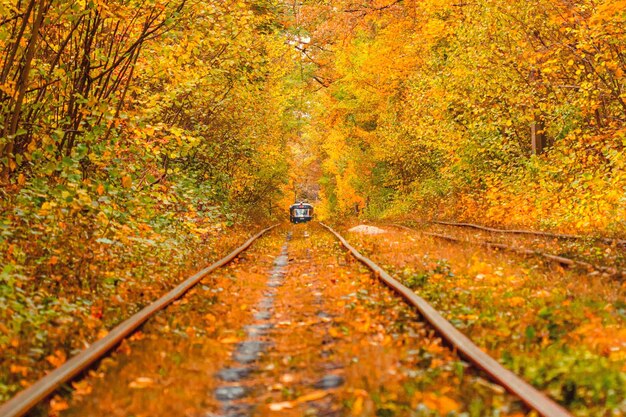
(300, 212)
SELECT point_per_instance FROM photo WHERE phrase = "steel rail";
(555, 258)
(25, 400)
(532, 397)
(531, 232)
(614, 271)
(560, 259)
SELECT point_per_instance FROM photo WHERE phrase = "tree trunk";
(538, 136)
(22, 84)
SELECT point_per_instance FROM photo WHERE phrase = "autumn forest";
(143, 139)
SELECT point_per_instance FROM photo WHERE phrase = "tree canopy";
(133, 132)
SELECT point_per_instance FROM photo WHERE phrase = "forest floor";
(562, 329)
(54, 309)
(295, 326)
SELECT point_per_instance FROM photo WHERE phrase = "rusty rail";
(606, 240)
(532, 397)
(556, 258)
(31, 396)
(527, 252)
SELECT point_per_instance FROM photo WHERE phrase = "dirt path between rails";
(294, 328)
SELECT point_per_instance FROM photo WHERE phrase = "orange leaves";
(434, 347)
(516, 301)
(481, 269)
(608, 340)
(608, 11)
(364, 325)
(57, 359)
(82, 387)
(209, 318)
(81, 210)
(102, 333)
(357, 406)
(229, 340)
(18, 369)
(338, 332)
(497, 85)
(312, 396)
(435, 401)
(57, 404)
(127, 181)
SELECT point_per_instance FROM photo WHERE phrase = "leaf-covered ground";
(54, 304)
(294, 327)
(562, 330)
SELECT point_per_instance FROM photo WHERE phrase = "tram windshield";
(301, 212)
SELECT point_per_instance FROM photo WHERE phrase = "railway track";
(527, 252)
(485, 234)
(305, 331)
(609, 241)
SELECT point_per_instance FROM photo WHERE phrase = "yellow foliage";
(436, 402)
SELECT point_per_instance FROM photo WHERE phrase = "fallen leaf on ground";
(57, 358)
(82, 387)
(141, 382)
(282, 406)
(357, 407)
(58, 404)
(312, 396)
(17, 369)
